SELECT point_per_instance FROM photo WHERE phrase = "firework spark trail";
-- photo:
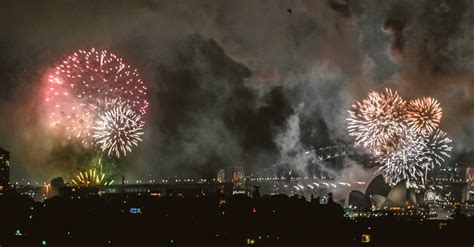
(81, 79)
(424, 115)
(85, 86)
(438, 147)
(405, 161)
(80, 125)
(377, 119)
(404, 140)
(91, 177)
(86, 75)
(118, 130)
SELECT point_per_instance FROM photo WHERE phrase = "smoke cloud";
(237, 82)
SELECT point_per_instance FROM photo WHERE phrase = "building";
(4, 170)
(450, 184)
(78, 192)
(188, 190)
(380, 196)
(37, 193)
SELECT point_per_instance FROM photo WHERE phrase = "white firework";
(377, 119)
(405, 161)
(438, 147)
(404, 139)
(117, 130)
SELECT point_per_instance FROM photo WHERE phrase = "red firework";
(77, 86)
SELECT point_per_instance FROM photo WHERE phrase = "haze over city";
(226, 79)
(364, 106)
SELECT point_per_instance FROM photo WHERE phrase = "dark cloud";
(432, 43)
(395, 27)
(342, 9)
(431, 27)
(207, 119)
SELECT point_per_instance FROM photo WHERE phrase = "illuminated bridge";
(311, 158)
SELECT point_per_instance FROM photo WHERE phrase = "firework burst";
(404, 139)
(377, 119)
(90, 178)
(438, 147)
(80, 127)
(118, 130)
(79, 82)
(85, 87)
(424, 115)
(406, 160)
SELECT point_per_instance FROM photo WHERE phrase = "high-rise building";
(450, 183)
(4, 169)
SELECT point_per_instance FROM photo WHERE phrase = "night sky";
(237, 82)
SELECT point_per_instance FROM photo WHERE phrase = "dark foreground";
(131, 220)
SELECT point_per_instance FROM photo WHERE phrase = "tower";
(469, 193)
(238, 179)
(4, 170)
(221, 176)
